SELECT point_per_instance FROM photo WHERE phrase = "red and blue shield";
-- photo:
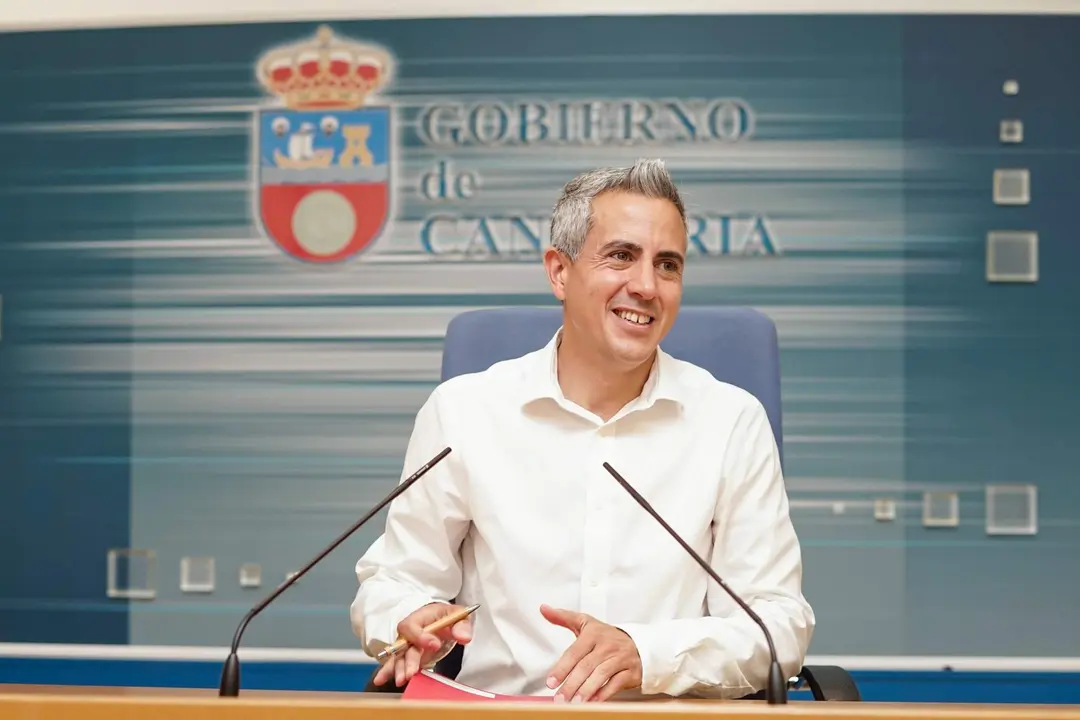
(324, 179)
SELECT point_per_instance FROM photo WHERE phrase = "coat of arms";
(324, 150)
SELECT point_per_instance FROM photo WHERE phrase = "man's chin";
(632, 352)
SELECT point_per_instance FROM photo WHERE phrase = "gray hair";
(572, 218)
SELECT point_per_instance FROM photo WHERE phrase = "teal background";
(171, 381)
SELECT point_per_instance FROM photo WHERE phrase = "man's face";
(623, 292)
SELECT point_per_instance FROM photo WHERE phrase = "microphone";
(230, 672)
(776, 690)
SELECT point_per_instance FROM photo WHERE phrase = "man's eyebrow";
(670, 255)
(621, 245)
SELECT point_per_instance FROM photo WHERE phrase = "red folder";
(427, 685)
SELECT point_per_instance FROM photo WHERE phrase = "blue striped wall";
(58, 517)
(992, 402)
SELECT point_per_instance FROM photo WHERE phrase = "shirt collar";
(541, 378)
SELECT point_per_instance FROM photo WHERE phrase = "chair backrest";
(737, 345)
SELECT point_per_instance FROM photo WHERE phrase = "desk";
(45, 702)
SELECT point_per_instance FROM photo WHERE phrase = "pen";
(444, 622)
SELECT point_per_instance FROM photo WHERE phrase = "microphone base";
(230, 677)
(776, 692)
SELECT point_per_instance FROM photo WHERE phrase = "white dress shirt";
(522, 513)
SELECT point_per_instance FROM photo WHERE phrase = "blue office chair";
(737, 345)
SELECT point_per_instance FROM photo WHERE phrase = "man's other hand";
(423, 647)
(602, 660)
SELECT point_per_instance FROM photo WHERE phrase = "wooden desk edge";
(94, 703)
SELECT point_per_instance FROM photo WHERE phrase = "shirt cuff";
(656, 668)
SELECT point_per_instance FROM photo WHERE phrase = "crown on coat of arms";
(327, 73)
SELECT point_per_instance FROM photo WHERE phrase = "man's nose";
(643, 281)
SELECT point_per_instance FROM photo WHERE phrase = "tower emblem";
(323, 149)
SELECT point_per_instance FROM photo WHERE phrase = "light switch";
(941, 509)
(1012, 256)
(1011, 131)
(197, 574)
(250, 575)
(1012, 510)
(130, 574)
(1012, 186)
(884, 509)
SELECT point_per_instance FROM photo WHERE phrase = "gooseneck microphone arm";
(776, 690)
(230, 672)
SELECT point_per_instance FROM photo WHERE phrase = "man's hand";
(423, 647)
(601, 662)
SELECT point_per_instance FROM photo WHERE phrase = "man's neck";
(590, 383)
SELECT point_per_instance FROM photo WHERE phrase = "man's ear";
(557, 266)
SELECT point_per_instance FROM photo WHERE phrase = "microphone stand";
(776, 689)
(230, 672)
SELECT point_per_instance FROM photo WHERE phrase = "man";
(582, 594)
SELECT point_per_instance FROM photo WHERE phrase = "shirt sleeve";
(756, 552)
(416, 561)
